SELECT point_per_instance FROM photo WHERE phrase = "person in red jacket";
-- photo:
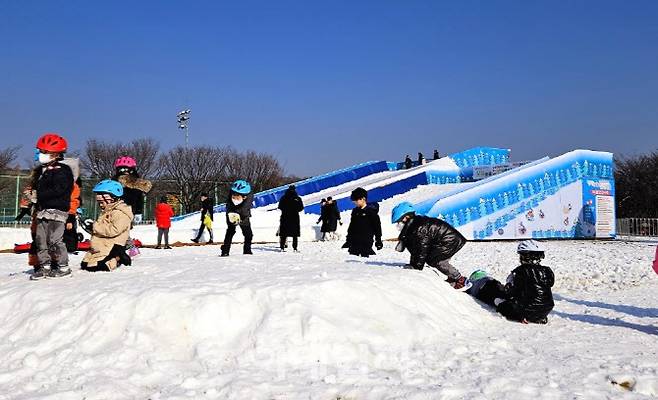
(163, 214)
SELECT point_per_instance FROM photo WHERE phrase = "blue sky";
(323, 85)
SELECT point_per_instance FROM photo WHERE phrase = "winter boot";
(225, 250)
(461, 284)
(39, 273)
(63, 270)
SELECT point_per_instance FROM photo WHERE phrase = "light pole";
(183, 117)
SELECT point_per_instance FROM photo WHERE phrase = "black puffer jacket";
(54, 187)
(243, 209)
(430, 240)
(529, 286)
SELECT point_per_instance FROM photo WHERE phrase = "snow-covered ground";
(186, 324)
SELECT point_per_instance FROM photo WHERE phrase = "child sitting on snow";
(364, 224)
(110, 231)
(528, 287)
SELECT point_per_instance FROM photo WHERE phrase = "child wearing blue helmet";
(110, 230)
(238, 212)
(430, 241)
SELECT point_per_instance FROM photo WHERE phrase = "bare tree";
(636, 186)
(98, 157)
(8, 156)
(194, 170)
(262, 170)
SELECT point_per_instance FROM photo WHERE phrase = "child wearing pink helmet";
(134, 187)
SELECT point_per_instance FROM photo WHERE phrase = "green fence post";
(18, 189)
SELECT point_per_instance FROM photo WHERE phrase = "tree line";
(636, 186)
(184, 171)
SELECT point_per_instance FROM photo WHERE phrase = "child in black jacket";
(238, 213)
(430, 241)
(528, 287)
(53, 194)
(364, 224)
(207, 209)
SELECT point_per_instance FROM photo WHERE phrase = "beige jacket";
(112, 227)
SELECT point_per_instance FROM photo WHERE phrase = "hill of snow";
(186, 324)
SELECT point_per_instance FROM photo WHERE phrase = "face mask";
(45, 158)
(236, 202)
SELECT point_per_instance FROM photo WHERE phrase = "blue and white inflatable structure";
(571, 196)
(489, 197)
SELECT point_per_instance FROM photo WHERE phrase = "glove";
(379, 245)
(341, 223)
(88, 225)
(234, 218)
(318, 221)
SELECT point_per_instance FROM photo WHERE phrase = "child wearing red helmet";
(53, 186)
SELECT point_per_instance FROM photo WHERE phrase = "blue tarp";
(377, 194)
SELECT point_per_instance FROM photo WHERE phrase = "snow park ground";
(187, 324)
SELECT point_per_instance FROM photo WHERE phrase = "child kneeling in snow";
(528, 288)
(110, 231)
(429, 240)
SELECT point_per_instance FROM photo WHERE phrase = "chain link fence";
(12, 186)
(637, 227)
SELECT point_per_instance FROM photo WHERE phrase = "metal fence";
(637, 226)
(11, 187)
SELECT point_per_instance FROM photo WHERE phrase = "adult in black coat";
(407, 162)
(290, 205)
(323, 218)
(529, 287)
(207, 208)
(364, 225)
(333, 215)
(330, 217)
(431, 241)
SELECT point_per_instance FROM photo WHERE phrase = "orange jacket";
(75, 199)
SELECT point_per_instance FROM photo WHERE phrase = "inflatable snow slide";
(479, 191)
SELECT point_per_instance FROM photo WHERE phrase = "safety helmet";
(529, 246)
(125, 161)
(358, 193)
(52, 143)
(477, 274)
(109, 186)
(401, 210)
(241, 187)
